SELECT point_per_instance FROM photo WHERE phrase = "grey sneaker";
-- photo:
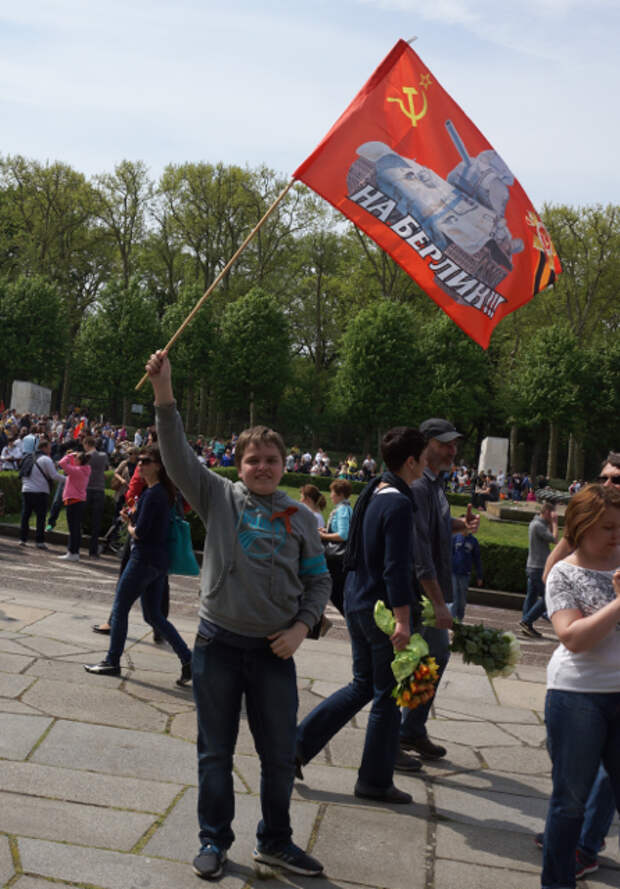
(210, 861)
(289, 857)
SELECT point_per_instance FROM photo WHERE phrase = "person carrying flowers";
(379, 560)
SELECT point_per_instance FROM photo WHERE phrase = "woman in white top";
(582, 710)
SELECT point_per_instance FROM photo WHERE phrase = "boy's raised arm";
(182, 464)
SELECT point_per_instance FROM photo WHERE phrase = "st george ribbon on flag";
(408, 167)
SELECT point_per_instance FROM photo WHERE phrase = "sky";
(250, 83)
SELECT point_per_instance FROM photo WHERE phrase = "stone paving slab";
(449, 874)
(33, 883)
(73, 785)
(160, 688)
(16, 617)
(492, 848)
(497, 782)
(20, 733)
(501, 811)
(12, 646)
(117, 751)
(14, 663)
(93, 702)
(447, 707)
(472, 734)
(11, 706)
(363, 861)
(13, 685)
(76, 627)
(320, 664)
(49, 647)
(532, 735)
(518, 693)
(527, 760)
(466, 687)
(6, 861)
(71, 822)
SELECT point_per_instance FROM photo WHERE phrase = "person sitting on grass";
(264, 585)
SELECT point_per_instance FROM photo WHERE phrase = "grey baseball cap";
(442, 430)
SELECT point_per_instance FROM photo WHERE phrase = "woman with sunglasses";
(146, 571)
(582, 709)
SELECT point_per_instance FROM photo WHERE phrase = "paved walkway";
(98, 775)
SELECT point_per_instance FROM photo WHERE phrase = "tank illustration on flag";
(462, 214)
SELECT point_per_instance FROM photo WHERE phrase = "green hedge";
(11, 487)
(503, 566)
(458, 499)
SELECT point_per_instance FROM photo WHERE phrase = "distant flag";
(408, 167)
(78, 429)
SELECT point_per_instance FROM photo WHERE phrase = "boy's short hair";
(400, 443)
(90, 442)
(258, 435)
(342, 487)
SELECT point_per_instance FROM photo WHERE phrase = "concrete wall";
(28, 398)
(493, 455)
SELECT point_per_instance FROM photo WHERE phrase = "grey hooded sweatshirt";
(263, 566)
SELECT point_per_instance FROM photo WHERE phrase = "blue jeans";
(145, 581)
(583, 729)
(221, 675)
(413, 724)
(460, 585)
(374, 681)
(534, 604)
(599, 814)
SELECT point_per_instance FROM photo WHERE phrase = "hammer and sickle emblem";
(410, 112)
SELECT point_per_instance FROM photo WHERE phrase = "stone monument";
(493, 455)
(28, 398)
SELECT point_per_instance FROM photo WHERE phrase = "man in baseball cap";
(433, 563)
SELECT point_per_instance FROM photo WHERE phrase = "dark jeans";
(599, 813)
(221, 675)
(413, 725)
(94, 502)
(75, 511)
(534, 604)
(37, 503)
(145, 581)
(583, 729)
(373, 680)
(57, 504)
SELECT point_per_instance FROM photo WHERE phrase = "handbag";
(181, 556)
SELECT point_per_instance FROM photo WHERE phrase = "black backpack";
(25, 468)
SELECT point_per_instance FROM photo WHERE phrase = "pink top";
(77, 478)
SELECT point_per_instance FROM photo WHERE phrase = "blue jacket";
(465, 552)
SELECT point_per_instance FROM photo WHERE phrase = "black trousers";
(37, 503)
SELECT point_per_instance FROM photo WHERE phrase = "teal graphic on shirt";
(256, 527)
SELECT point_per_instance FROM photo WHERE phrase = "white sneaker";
(70, 557)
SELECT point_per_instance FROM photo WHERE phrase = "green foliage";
(253, 360)
(503, 566)
(377, 381)
(33, 330)
(113, 346)
(11, 486)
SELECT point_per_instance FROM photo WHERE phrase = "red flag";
(408, 167)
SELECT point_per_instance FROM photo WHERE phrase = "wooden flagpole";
(228, 265)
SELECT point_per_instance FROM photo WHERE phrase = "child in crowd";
(264, 585)
(465, 553)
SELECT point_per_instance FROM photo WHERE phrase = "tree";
(253, 356)
(377, 384)
(33, 331)
(112, 348)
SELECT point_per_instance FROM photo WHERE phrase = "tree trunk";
(536, 456)
(252, 410)
(579, 458)
(514, 431)
(570, 460)
(203, 408)
(125, 411)
(66, 382)
(189, 409)
(552, 452)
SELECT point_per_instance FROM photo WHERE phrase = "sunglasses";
(614, 479)
(145, 460)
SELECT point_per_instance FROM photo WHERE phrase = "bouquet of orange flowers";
(414, 670)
